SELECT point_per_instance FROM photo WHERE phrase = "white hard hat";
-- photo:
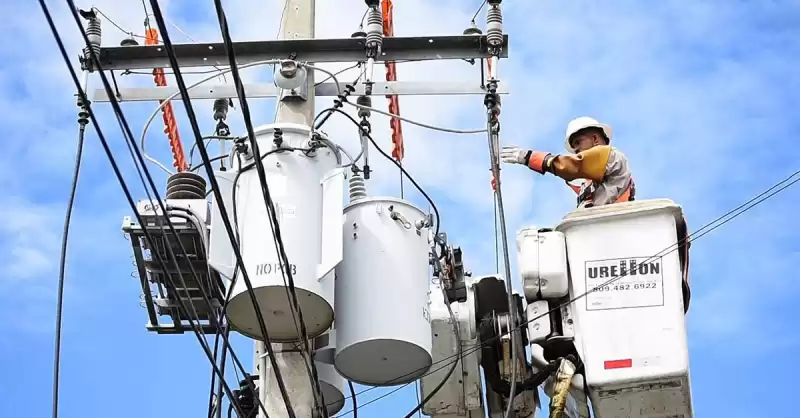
(584, 122)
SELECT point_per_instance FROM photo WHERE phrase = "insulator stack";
(364, 101)
(221, 107)
(374, 28)
(186, 185)
(494, 26)
(358, 189)
(94, 33)
(168, 113)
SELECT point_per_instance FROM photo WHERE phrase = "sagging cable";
(126, 130)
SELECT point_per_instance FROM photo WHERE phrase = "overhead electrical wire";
(132, 148)
(690, 238)
(208, 139)
(459, 359)
(225, 346)
(274, 225)
(493, 130)
(171, 97)
(215, 187)
(147, 26)
(357, 65)
(216, 73)
(475, 16)
(113, 23)
(417, 390)
(241, 169)
(109, 153)
(395, 162)
(353, 398)
(192, 72)
(213, 384)
(413, 122)
(62, 264)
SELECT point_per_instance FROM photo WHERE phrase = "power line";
(475, 16)
(215, 187)
(62, 265)
(142, 171)
(121, 29)
(106, 147)
(132, 147)
(396, 163)
(273, 220)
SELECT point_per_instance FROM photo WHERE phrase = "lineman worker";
(603, 168)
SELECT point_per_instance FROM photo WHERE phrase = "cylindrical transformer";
(383, 329)
(307, 189)
(333, 385)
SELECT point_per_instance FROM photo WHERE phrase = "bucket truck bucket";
(627, 279)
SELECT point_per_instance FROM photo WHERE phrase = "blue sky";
(701, 95)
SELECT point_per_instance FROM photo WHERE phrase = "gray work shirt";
(616, 182)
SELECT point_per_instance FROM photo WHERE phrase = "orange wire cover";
(398, 150)
(168, 113)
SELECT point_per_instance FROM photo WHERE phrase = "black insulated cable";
(62, 264)
(274, 225)
(353, 398)
(141, 167)
(459, 357)
(395, 162)
(459, 347)
(218, 197)
(109, 154)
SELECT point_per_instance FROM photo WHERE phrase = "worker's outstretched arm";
(590, 164)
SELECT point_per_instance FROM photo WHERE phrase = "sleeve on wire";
(168, 113)
(398, 149)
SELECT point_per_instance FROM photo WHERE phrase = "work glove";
(537, 161)
(514, 155)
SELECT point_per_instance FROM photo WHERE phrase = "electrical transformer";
(383, 329)
(306, 186)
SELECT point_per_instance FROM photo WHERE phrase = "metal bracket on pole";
(400, 88)
(308, 50)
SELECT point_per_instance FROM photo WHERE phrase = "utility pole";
(297, 22)
(296, 106)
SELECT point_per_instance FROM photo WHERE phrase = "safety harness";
(586, 192)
